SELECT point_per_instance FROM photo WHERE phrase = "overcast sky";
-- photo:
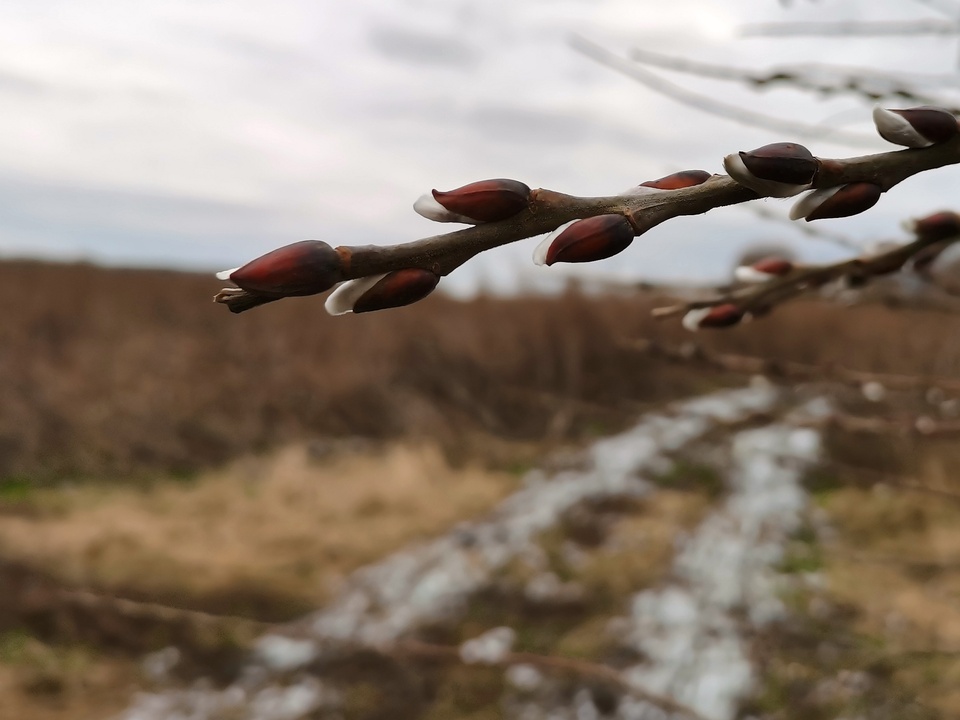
(198, 134)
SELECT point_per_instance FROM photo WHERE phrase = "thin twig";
(581, 668)
(869, 84)
(848, 28)
(156, 611)
(789, 369)
(736, 113)
(946, 7)
(760, 298)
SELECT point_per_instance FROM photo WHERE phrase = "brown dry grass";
(897, 562)
(120, 372)
(287, 523)
(132, 381)
(892, 578)
(40, 682)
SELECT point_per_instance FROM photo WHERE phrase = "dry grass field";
(154, 447)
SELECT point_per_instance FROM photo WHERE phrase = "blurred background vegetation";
(240, 469)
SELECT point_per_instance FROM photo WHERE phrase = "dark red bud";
(398, 288)
(938, 226)
(486, 200)
(721, 316)
(935, 124)
(773, 266)
(682, 179)
(591, 239)
(787, 163)
(851, 199)
(303, 268)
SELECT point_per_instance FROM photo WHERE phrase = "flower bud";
(777, 170)
(379, 292)
(718, 316)
(763, 270)
(836, 202)
(677, 180)
(483, 201)
(938, 226)
(586, 240)
(917, 127)
(303, 268)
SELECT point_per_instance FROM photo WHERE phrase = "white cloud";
(195, 133)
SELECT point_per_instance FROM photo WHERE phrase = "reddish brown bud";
(763, 270)
(718, 316)
(773, 266)
(787, 163)
(915, 127)
(586, 240)
(778, 170)
(847, 200)
(682, 179)
(938, 226)
(398, 288)
(303, 268)
(483, 201)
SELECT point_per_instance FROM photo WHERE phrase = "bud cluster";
(603, 236)
(375, 277)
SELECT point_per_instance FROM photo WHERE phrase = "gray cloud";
(126, 224)
(16, 83)
(203, 133)
(518, 124)
(422, 48)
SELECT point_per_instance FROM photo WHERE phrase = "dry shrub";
(119, 372)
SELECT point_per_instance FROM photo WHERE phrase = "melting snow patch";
(726, 563)
(490, 648)
(691, 631)
(282, 653)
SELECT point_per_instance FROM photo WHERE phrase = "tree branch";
(314, 267)
(761, 298)
(548, 210)
(825, 79)
(707, 104)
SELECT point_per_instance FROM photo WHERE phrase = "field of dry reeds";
(110, 373)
